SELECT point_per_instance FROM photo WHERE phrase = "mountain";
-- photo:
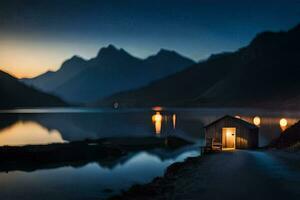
(264, 73)
(51, 80)
(112, 70)
(15, 94)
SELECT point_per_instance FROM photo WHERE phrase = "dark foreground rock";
(290, 138)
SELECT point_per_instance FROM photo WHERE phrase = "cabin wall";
(245, 138)
(215, 132)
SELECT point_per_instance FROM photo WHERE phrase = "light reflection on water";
(157, 119)
(43, 126)
(174, 120)
(28, 132)
(88, 182)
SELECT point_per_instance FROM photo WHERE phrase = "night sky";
(36, 36)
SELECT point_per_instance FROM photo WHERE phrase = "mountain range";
(111, 71)
(15, 94)
(264, 73)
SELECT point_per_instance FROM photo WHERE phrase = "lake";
(99, 180)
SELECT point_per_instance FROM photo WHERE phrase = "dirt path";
(228, 175)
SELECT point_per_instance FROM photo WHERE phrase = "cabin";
(231, 133)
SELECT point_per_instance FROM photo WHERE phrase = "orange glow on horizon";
(27, 58)
(20, 73)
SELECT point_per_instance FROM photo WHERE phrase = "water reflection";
(28, 132)
(157, 119)
(80, 124)
(42, 127)
(174, 121)
(91, 180)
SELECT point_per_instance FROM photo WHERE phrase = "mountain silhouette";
(51, 80)
(264, 73)
(15, 94)
(112, 70)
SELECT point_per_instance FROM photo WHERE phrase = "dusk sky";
(39, 35)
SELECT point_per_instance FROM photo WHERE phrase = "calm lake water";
(100, 180)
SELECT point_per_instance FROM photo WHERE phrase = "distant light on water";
(174, 120)
(257, 120)
(157, 119)
(157, 108)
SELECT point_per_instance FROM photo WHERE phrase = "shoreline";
(108, 150)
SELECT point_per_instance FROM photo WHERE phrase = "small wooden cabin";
(232, 133)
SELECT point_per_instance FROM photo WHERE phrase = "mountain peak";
(73, 60)
(166, 55)
(75, 57)
(110, 49)
(111, 46)
(166, 52)
(112, 52)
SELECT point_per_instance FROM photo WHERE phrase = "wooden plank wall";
(245, 138)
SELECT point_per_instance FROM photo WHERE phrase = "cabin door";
(228, 137)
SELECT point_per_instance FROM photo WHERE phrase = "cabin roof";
(242, 122)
